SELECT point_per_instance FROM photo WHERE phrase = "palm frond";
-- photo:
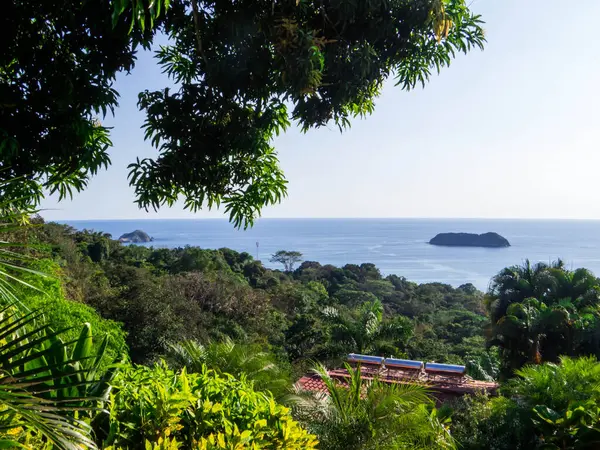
(360, 413)
(40, 391)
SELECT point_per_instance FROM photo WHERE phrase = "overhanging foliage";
(244, 71)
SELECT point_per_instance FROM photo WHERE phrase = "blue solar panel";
(446, 368)
(403, 363)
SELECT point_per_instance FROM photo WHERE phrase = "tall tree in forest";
(287, 258)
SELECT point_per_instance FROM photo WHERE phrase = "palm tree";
(560, 318)
(515, 284)
(580, 286)
(370, 414)
(365, 331)
(518, 335)
(247, 360)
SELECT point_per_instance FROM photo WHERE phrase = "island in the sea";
(470, 240)
(135, 237)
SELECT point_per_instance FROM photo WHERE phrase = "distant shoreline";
(262, 219)
(395, 246)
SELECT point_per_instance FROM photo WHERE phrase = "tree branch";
(197, 30)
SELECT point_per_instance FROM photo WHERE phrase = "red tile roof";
(445, 386)
(312, 383)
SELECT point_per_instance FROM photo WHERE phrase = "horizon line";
(330, 218)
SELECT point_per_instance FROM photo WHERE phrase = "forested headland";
(307, 312)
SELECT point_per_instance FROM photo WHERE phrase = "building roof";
(441, 387)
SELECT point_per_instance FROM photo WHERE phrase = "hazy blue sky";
(512, 131)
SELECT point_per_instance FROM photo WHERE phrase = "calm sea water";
(396, 246)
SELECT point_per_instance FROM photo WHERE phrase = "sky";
(509, 132)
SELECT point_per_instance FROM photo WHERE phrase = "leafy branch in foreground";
(243, 71)
(56, 83)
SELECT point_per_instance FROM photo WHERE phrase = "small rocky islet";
(490, 240)
(135, 237)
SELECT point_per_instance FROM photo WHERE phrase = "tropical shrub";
(483, 365)
(250, 360)
(563, 401)
(65, 314)
(577, 427)
(557, 385)
(159, 408)
(551, 406)
(481, 422)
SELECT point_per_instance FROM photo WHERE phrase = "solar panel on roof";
(403, 363)
(445, 368)
(365, 359)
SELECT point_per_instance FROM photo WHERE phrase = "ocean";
(395, 246)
